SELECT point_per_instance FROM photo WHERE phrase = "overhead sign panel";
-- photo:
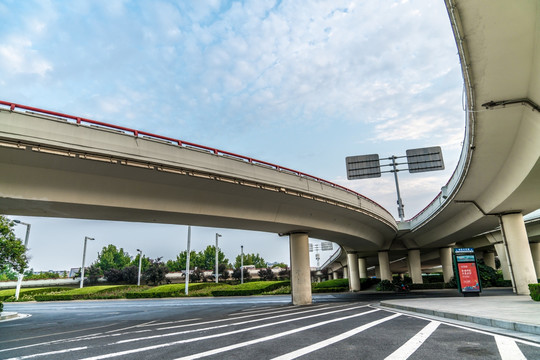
(363, 166)
(425, 159)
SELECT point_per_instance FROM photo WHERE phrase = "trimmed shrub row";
(253, 288)
(535, 291)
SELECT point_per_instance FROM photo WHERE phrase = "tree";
(12, 250)
(156, 272)
(250, 259)
(223, 273)
(180, 263)
(145, 263)
(130, 274)
(111, 257)
(266, 274)
(237, 274)
(93, 274)
(207, 258)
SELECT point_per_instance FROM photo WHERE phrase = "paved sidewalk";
(518, 313)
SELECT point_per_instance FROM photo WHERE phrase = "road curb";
(502, 324)
(8, 315)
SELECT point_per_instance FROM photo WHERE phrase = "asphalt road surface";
(242, 328)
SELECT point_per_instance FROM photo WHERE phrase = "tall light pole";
(86, 238)
(140, 263)
(241, 264)
(187, 258)
(21, 274)
(217, 251)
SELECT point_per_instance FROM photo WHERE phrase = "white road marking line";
(153, 323)
(265, 310)
(212, 336)
(275, 336)
(526, 342)
(332, 340)
(153, 347)
(414, 343)
(240, 323)
(508, 348)
(287, 313)
(48, 353)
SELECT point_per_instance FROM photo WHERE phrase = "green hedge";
(337, 283)
(251, 288)
(1, 306)
(8, 295)
(91, 292)
(535, 291)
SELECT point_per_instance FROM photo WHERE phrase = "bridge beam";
(415, 266)
(384, 266)
(519, 252)
(300, 270)
(354, 277)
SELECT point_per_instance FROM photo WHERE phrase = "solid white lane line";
(153, 347)
(308, 349)
(287, 312)
(414, 343)
(243, 323)
(47, 353)
(526, 342)
(508, 348)
(272, 311)
(275, 336)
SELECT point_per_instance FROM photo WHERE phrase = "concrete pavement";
(516, 315)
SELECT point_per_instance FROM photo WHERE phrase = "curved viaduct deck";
(59, 168)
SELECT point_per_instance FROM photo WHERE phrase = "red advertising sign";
(468, 277)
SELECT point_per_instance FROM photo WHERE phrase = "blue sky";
(302, 84)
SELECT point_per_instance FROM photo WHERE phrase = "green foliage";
(91, 292)
(237, 274)
(488, 276)
(44, 275)
(156, 272)
(93, 273)
(251, 288)
(280, 265)
(7, 273)
(250, 259)
(266, 274)
(332, 284)
(535, 291)
(205, 260)
(432, 278)
(385, 285)
(12, 250)
(8, 295)
(145, 263)
(111, 257)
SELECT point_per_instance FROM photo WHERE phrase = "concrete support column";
(354, 277)
(535, 252)
(377, 272)
(336, 275)
(489, 258)
(501, 253)
(384, 266)
(346, 272)
(415, 266)
(446, 262)
(519, 252)
(362, 268)
(330, 274)
(300, 270)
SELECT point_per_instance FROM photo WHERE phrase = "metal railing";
(182, 143)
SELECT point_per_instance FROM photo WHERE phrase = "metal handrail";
(181, 143)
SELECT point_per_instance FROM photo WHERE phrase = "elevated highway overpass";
(497, 179)
(65, 166)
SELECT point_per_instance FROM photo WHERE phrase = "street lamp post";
(21, 274)
(217, 251)
(86, 238)
(241, 264)
(140, 263)
(188, 251)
